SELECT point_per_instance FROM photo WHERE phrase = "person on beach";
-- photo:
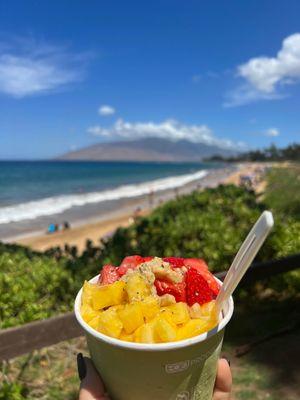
(92, 387)
(66, 225)
(151, 199)
(51, 228)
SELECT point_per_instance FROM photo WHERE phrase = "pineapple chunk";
(137, 288)
(110, 323)
(108, 295)
(94, 322)
(166, 314)
(87, 290)
(87, 312)
(126, 337)
(150, 307)
(131, 317)
(146, 334)
(194, 327)
(164, 330)
(118, 307)
(180, 313)
(209, 309)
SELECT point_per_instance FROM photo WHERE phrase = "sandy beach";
(96, 229)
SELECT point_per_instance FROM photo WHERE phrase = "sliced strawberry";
(201, 266)
(130, 262)
(176, 262)
(196, 263)
(108, 274)
(175, 289)
(212, 283)
(197, 289)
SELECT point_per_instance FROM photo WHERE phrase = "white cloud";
(168, 129)
(273, 132)
(246, 94)
(265, 75)
(106, 110)
(30, 68)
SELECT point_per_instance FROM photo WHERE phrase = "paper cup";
(182, 370)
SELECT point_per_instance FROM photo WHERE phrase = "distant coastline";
(34, 194)
(96, 222)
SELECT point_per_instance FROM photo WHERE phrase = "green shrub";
(283, 191)
(209, 224)
(32, 286)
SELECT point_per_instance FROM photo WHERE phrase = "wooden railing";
(36, 335)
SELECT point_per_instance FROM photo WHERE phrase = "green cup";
(182, 370)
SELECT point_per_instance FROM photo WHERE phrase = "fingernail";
(227, 359)
(81, 366)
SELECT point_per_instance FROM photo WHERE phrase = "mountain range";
(147, 149)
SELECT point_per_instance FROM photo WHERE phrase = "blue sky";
(76, 73)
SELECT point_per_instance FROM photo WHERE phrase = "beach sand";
(93, 231)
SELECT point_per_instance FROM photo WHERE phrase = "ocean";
(30, 191)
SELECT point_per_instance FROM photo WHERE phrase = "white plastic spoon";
(244, 257)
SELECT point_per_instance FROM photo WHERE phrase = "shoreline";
(96, 226)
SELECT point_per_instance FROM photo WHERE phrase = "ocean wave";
(58, 204)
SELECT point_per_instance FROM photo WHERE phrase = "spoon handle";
(245, 256)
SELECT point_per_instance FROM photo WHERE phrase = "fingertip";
(91, 387)
(224, 376)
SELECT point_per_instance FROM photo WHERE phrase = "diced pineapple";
(146, 333)
(109, 295)
(126, 337)
(87, 312)
(137, 288)
(150, 307)
(209, 309)
(166, 314)
(118, 307)
(180, 313)
(194, 327)
(110, 323)
(87, 290)
(164, 330)
(94, 322)
(131, 316)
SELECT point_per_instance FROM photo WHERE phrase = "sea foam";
(58, 204)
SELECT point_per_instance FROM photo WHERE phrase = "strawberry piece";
(146, 259)
(175, 289)
(201, 266)
(108, 274)
(196, 263)
(197, 289)
(130, 262)
(212, 283)
(176, 262)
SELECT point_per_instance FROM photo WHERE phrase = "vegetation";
(271, 153)
(283, 191)
(209, 224)
(32, 286)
